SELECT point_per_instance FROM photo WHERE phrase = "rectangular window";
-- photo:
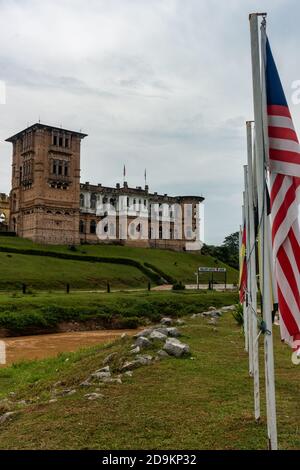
(54, 168)
(66, 143)
(60, 168)
(66, 169)
(60, 141)
(54, 140)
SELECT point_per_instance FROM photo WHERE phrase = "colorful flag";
(243, 267)
(284, 163)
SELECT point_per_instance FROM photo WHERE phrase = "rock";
(57, 384)
(124, 335)
(6, 416)
(161, 354)
(179, 322)
(101, 373)
(173, 331)
(142, 360)
(176, 348)
(216, 314)
(86, 383)
(112, 380)
(93, 396)
(143, 342)
(135, 350)
(12, 394)
(196, 315)
(228, 308)
(147, 332)
(53, 400)
(162, 329)
(129, 365)
(67, 391)
(212, 321)
(128, 373)
(157, 335)
(166, 321)
(109, 358)
(211, 308)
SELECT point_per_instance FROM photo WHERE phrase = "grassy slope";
(180, 265)
(50, 273)
(126, 309)
(204, 403)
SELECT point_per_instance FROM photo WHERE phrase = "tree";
(228, 252)
(232, 242)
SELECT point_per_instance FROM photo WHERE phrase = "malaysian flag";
(284, 165)
(243, 267)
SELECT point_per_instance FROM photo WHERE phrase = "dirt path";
(42, 346)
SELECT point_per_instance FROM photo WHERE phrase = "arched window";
(14, 224)
(93, 226)
(112, 201)
(93, 201)
(81, 226)
(81, 200)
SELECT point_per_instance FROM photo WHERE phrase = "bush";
(237, 314)
(178, 286)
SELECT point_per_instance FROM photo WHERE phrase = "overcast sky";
(157, 84)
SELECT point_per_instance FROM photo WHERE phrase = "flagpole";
(251, 260)
(263, 222)
(248, 267)
(245, 313)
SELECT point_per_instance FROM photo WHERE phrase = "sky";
(158, 84)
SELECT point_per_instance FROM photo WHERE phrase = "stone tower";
(44, 202)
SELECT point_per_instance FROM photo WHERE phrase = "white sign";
(212, 270)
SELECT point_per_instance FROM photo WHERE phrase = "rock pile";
(160, 340)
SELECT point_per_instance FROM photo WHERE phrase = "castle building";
(4, 212)
(48, 204)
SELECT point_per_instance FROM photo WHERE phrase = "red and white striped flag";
(284, 164)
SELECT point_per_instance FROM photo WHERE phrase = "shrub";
(178, 286)
(237, 314)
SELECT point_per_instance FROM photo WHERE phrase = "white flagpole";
(245, 313)
(251, 259)
(249, 313)
(263, 221)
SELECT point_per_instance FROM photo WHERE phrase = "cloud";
(162, 84)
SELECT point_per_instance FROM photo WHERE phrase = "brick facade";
(49, 205)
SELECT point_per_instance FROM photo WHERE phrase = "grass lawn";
(179, 265)
(200, 403)
(45, 273)
(18, 313)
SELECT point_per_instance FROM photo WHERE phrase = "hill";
(51, 267)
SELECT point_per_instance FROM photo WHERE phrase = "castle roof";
(38, 125)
